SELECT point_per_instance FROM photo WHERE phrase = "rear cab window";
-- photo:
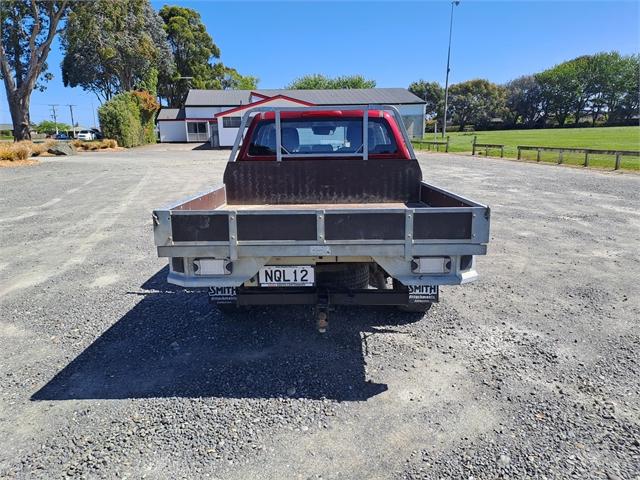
(331, 136)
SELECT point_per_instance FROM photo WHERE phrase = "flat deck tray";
(325, 206)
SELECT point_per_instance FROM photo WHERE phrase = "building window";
(197, 132)
(231, 122)
(197, 127)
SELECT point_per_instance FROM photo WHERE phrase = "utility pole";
(93, 111)
(55, 118)
(446, 83)
(73, 125)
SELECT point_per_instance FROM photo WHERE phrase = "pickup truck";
(322, 206)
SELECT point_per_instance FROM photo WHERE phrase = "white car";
(86, 135)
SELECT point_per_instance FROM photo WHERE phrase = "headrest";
(354, 135)
(290, 139)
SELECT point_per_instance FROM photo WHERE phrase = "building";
(214, 115)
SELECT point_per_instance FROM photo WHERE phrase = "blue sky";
(393, 43)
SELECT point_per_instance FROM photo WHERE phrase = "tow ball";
(321, 320)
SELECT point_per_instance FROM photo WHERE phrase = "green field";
(620, 138)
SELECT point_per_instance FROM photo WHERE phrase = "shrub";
(95, 145)
(17, 151)
(22, 150)
(129, 118)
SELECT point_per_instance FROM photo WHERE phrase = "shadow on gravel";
(174, 344)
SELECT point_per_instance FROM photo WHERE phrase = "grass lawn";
(622, 138)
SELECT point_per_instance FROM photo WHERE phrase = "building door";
(215, 139)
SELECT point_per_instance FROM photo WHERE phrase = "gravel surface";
(106, 371)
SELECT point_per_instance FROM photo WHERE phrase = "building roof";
(171, 114)
(355, 96)
(263, 102)
(222, 98)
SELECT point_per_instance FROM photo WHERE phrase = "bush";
(129, 118)
(95, 144)
(23, 150)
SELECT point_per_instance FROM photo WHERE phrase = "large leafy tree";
(111, 47)
(432, 93)
(194, 52)
(193, 49)
(476, 102)
(524, 102)
(629, 104)
(49, 126)
(563, 88)
(28, 29)
(613, 86)
(319, 81)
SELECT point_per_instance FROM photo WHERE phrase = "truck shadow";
(173, 343)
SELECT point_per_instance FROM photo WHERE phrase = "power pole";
(73, 125)
(55, 118)
(446, 83)
(93, 111)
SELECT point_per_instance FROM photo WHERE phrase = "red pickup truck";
(322, 207)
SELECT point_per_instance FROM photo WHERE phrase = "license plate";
(289, 276)
(423, 293)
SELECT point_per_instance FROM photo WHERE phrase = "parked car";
(86, 135)
(97, 133)
(62, 136)
(323, 207)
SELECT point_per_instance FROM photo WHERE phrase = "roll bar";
(365, 128)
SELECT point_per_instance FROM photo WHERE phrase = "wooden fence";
(433, 143)
(478, 146)
(586, 151)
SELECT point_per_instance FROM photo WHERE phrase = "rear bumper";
(244, 270)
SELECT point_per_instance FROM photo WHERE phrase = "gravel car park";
(107, 371)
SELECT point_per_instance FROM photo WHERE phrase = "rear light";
(431, 265)
(211, 266)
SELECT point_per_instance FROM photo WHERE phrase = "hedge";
(129, 118)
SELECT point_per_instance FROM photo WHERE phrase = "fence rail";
(434, 143)
(586, 151)
(486, 147)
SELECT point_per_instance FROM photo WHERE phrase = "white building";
(214, 115)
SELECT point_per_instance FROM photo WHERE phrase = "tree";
(193, 51)
(629, 105)
(476, 102)
(563, 88)
(524, 102)
(111, 46)
(28, 28)
(49, 126)
(192, 48)
(229, 79)
(432, 93)
(614, 86)
(319, 81)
